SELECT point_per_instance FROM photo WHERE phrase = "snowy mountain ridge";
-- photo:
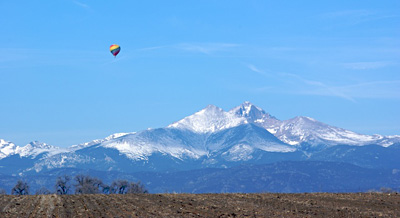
(98, 141)
(304, 129)
(31, 150)
(212, 136)
(210, 119)
(294, 131)
(6, 148)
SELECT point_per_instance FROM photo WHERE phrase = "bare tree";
(136, 188)
(119, 187)
(106, 189)
(387, 190)
(2, 191)
(62, 185)
(21, 188)
(125, 187)
(87, 185)
(42, 191)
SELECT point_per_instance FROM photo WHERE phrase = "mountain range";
(208, 139)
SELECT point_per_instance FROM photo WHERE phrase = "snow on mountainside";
(294, 131)
(98, 141)
(301, 130)
(6, 148)
(139, 146)
(150, 149)
(213, 119)
(211, 137)
(31, 150)
(251, 112)
(305, 129)
(245, 138)
(208, 132)
(254, 114)
(210, 119)
(35, 148)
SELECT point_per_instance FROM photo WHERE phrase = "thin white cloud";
(153, 48)
(312, 87)
(347, 13)
(354, 17)
(205, 48)
(7, 55)
(374, 89)
(288, 83)
(21, 58)
(283, 49)
(80, 4)
(255, 69)
(263, 72)
(114, 60)
(367, 65)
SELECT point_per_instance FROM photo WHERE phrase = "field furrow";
(202, 205)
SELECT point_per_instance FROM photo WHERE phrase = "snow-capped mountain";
(210, 119)
(213, 119)
(139, 146)
(36, 148)
(145, 150)
(211, 137)
(307, 130)
(6, 148)
(296, 131)
(97, 141)
(254, 114)
(32, 150)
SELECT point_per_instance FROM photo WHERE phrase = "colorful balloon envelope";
(114, 49)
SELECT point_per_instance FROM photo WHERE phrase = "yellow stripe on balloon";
(114, 47)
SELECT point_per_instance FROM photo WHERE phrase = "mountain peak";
(6, 148)
(211, 108)
(209, 119)
(305, 119)
(39, 145)
(247, 103)
(211, 111)
(36, 143)
(250, 112)
(35, 148)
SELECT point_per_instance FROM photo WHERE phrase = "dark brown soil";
(202, 205)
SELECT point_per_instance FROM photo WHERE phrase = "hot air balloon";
(114, 49)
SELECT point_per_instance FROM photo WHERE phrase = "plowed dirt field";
(202, 205)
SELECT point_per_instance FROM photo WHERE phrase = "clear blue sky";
(335, 61)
